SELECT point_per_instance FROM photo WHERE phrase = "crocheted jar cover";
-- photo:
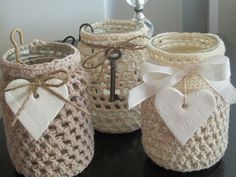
(113, 117)
(67, 146)
(208, 144)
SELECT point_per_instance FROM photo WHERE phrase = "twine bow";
(109, 50)
(215, 71)
(42, 82)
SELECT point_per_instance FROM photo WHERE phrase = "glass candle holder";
(69, 138)
(113, 116)
(208, 144)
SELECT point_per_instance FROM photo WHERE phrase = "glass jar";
(113, 116)
(67, 145)
(208, 144)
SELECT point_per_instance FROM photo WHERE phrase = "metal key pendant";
(114, 55)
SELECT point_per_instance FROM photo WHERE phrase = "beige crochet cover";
(67, 146)
(209, 143)
(114, 117)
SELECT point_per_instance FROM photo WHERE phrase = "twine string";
(13, 41)
(185, 104)
(109, 50)
(42, 82)
(185, 92)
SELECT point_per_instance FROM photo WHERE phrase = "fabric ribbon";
(42, 82)
(215, 70)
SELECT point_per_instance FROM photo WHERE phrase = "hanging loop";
(85, 25)
(13, 41)
(69, 38)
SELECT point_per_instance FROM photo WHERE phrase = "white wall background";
(227, 23)
(195, 15)
(46, 19)
(166, 15)
(53, 19)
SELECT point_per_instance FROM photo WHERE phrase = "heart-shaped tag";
(38, 112)
(184, 120)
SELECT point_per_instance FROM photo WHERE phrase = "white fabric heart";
(183, 122)
(39, 112)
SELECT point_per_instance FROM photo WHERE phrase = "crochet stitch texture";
(67, 146)
(208, 144)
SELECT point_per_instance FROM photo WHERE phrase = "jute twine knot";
(111, 49)
(41, 81)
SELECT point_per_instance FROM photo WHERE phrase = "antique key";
(114, 55)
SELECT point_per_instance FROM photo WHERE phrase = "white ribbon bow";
(215, 70)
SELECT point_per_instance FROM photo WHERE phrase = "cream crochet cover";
(114, 117)
(208, 144)
(67, 146)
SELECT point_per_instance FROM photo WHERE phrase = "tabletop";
(123, 155)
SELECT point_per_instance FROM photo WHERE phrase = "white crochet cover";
(208, 144)
(114, 117)
(67, 146)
